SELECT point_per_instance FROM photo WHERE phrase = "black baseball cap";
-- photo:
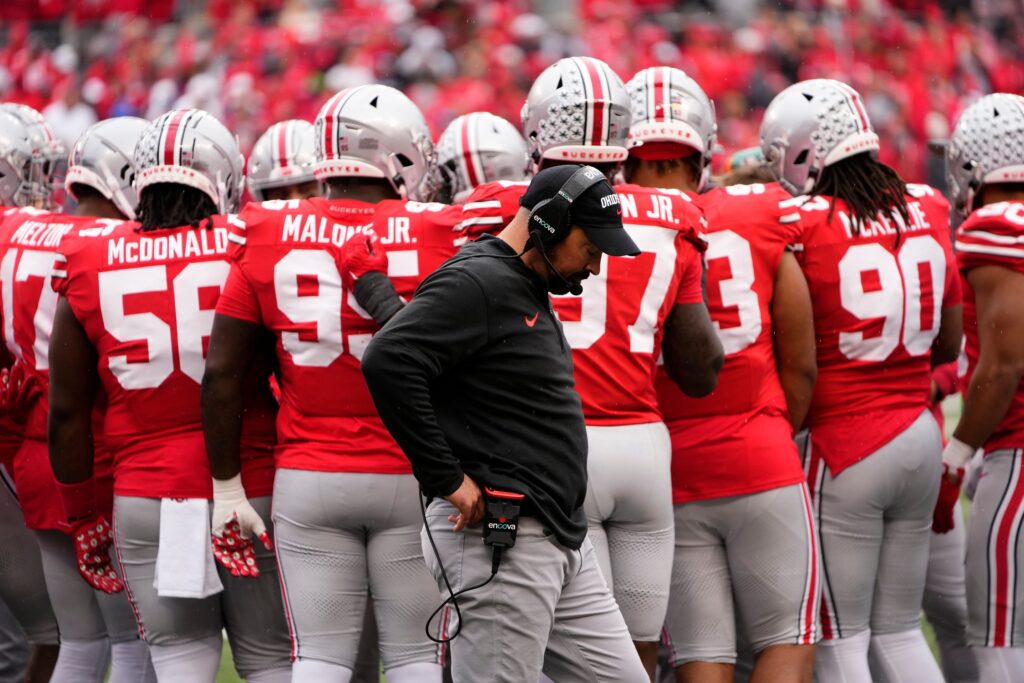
(597, 210)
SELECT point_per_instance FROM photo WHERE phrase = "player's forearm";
(692, 351)
(988, 398)
(798, 387)
(70, 443)
(222, 410)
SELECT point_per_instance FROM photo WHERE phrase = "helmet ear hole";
(801, 158)
(404, 160)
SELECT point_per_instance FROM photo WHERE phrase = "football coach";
(474, 379)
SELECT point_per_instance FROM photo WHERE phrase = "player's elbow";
(697, 377)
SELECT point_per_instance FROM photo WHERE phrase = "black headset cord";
(452, 594)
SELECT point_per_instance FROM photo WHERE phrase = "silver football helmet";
(577, 111)
(811, 125)
(669, 106)
(15, 161)
(284, 155)
(374, 131)
(191, 147)
(103, 159)
(987, 146)
(479, 148)
(49, 158)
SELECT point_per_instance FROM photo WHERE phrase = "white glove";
(956, 454)
(229, 502)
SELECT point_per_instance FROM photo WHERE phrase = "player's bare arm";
(998, 293)
(793, 338)
(693, 352)
(73, 385)
(233, 345)
(946, 346)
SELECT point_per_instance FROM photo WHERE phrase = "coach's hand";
(469, 500)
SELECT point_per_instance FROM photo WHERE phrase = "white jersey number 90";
(895, 296)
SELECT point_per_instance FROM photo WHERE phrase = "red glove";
(362, 254)
(18, 389)
(92, 544)
(943, 520)
(236, 552)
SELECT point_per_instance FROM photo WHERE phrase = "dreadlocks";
(868, 187)
(170, 205)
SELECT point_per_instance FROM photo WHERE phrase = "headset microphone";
(571, 287)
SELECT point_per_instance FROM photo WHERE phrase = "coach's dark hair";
(663, 166)
(171, 205)
(868, 187)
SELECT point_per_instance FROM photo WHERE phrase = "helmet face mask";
(577, 111)
(986, 147)
(284, 155)
(811, 125)
(191, 147)
(375, 131)
(479, 148)
(43, 180)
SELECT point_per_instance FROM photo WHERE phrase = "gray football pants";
(548, 608)
(22, 586)
(752, 556)
(83, 613)
(874, 522)
(629, 515)
(995, 553)
(249, 609)
(339, 535)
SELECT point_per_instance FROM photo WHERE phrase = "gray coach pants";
(547, 608)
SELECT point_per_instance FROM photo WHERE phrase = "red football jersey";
(615, 327)
(29, 239)
(146, 300)
(286, 278)
(877, 293)
(490, 207)
(738, 439)
(992, 236)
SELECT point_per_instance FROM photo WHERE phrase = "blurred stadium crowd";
(918, 63)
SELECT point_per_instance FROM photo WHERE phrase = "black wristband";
(377, 296)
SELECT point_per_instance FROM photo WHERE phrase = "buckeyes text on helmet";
(577, 111)
(191, 147)
(284, 155)
(479, 148)
(669, 107)
(103, 159)
(811, 125)
(49, 158)
(986, 147)
(375, 131)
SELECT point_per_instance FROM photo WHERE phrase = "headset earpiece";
(550, 220)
